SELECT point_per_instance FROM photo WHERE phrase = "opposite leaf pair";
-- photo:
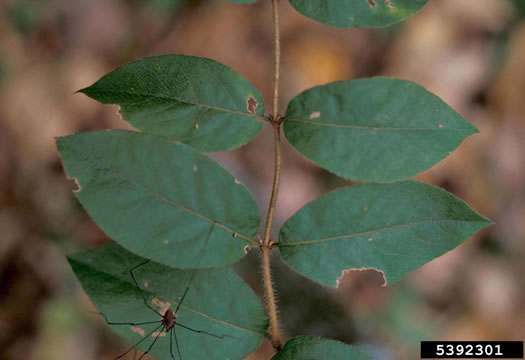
(375, 130)
(157, 197)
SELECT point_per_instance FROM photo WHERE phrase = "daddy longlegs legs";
(168, 318)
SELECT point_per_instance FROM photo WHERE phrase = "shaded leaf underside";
(218, 301)
(159, 199)
(394, 228)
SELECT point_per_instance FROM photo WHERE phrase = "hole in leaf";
(349, 273)
(389, 3)
(251, 105)
(371, 3)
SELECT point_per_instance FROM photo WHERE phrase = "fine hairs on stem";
(266, 242)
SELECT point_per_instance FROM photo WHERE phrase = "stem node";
(266, 243)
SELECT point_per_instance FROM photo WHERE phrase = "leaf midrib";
(184, 208)
(173, 98)
(384, 128)
(349, 236)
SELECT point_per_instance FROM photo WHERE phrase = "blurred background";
(470, 52)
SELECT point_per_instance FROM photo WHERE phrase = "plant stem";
(269, 296)
(266, 243)
(277, 54)
(276, 180)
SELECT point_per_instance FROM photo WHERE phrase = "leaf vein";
(365, 127)
(348, 236)
(188, 210)
(173, 98)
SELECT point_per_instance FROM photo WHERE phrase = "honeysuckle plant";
(179, 220)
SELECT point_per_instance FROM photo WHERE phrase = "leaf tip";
(88, 91)
(76, 259)
(482, 220)
(83, 91)
(70, 259)
(473, 129)
(486, 221)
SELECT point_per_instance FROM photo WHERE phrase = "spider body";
(168, 319)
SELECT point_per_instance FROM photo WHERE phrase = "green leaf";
(195, 100)
(315, 348)
(218, 302)
(358, 13)
(394, 228)
(158, 198)
(376, 130)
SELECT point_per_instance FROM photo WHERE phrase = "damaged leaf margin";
(346, 272)
(167, 221)
(392, 228)
(195, 100)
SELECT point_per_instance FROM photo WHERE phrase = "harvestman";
(168, 319)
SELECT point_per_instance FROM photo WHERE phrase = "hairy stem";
(271, 306)
(266, 242)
